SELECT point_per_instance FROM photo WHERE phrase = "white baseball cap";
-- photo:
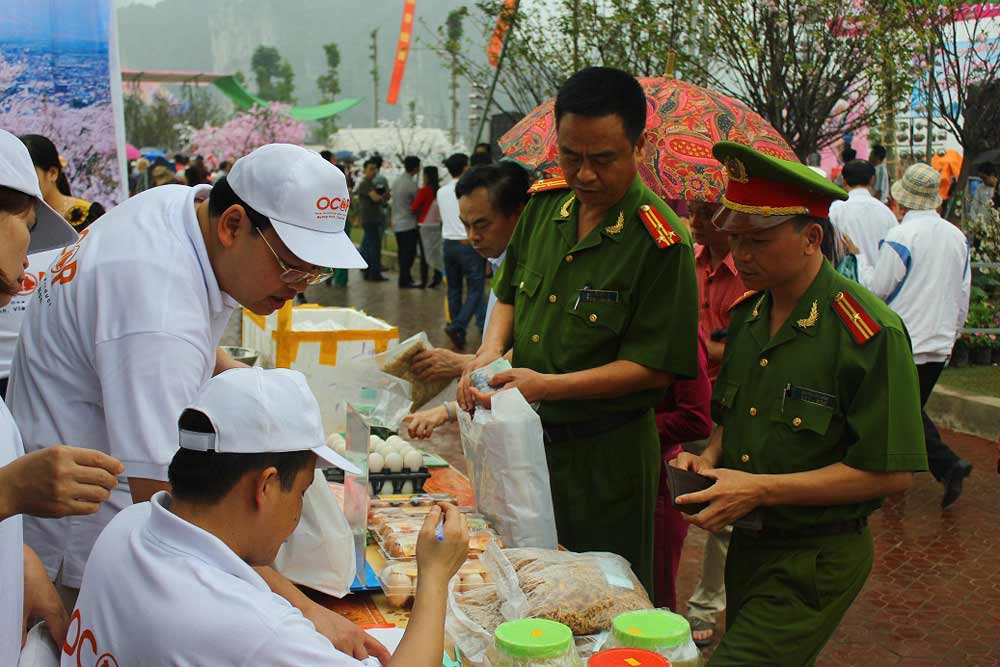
(305, 198)
(17, 172)
(254, 411)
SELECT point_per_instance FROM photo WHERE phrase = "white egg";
(375, 441)
(413, 461)
(331, 439)
(341, 447)
(407, 488)
(395, 441)
(375, 462)
(394, 462)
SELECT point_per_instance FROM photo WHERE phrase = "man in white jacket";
(923, 274)
(863, 218)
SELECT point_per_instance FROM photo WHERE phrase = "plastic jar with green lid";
(627, 657)
(659, 631)
(533, 642)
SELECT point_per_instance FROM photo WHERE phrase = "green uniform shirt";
(640, 304)
(811, 396)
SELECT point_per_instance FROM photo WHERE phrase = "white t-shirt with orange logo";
(11, 554)
(162, 591)
(120, 335)
(12, 314)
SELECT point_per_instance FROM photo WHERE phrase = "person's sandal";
(699, 625)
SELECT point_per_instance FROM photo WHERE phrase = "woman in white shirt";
(57, 481)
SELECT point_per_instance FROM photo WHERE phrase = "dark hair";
(483, 147)
(848, 154)
(456, 164)
(373, 161)
(206, 477)
(196, 175)
(326, 155)
(376, 160)
(431, 175)
(224, 165)
(858, 172)
(180, 158)
(827, 246)
(480, 159)
(411, 163)
(986, 168)
(601, 91)
(877, 152)
(506, 184)
(45, 156)
(222, 197)
(15, 202)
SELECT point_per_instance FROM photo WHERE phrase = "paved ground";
(934, 595)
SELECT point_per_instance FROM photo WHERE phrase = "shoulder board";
(658, 227)
(547, 184)
(743, 297)
(858, 322)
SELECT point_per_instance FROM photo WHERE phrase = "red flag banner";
(503, 25)
(402, 50)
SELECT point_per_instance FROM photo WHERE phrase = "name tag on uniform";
(599, 296)
(811, 396)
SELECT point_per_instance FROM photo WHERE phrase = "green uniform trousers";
(604, 492)
(785, 597)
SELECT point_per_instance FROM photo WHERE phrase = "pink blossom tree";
(246, 131)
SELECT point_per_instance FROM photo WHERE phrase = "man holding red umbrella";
(598, 298)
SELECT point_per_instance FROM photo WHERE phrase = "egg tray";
(386, 483)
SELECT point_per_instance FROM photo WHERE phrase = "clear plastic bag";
(584, 591)
(398, 362)
(473, 617)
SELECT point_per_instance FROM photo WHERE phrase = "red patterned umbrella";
(682, 122)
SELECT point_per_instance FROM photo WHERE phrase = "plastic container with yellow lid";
(659, 631)
(533, 642)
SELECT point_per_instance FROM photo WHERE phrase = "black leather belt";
(555, 433)
(822, 530)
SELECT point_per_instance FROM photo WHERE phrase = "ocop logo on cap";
(332, 207)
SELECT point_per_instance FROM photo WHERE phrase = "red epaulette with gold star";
(546, 184)
(743, 297)
(859, 323)
(658, 227)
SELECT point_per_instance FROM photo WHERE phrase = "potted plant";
(960, 352)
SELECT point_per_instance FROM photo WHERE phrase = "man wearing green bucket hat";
(818, 418)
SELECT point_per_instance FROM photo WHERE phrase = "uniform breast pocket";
(799, 415)
(808, 435)
(592, 333)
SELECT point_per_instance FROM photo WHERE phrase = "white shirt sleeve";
(295, 643)
(963, 302)
(890, 269)
(147, 380)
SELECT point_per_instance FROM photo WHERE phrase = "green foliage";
(329, 88)
(152, 124)
(274, 75)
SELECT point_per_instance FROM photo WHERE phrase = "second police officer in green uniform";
(818, 417)
(598, 298)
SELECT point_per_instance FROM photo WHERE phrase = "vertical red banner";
(503, 25)
(402, 50)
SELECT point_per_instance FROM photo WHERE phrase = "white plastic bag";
(508, 470)
(39, 649)
(320, 552)
(382, 399)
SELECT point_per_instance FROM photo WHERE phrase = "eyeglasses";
(292, 276)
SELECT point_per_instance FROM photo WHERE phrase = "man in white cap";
(923, 274)
(125, 326)
(57, 481)
(172, 582)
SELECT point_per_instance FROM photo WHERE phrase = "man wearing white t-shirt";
(862, 217)
(171, 582)
(13, 313)
(124, 329)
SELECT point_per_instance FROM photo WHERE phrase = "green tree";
(373, 54)
(274, 75)
(809, 67)
(329, 87)
(153, 123)
(452, 33)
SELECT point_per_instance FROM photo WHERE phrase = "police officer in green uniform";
(598, 298)
(818, 414)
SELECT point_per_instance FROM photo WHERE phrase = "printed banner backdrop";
(59, 78)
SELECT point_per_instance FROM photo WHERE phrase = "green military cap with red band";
(763, 191)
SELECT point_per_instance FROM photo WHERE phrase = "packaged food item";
(584, 591)
(657, 630)
(398, 362)
(627, 657)
(399, 580)
(533, 642)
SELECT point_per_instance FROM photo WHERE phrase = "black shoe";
(407, 286)
(379, 279)
(420, 285)
(953, 482)
(457, 337)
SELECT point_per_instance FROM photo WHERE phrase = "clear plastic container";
(398, 580)
(657, 630)
(533, 642)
